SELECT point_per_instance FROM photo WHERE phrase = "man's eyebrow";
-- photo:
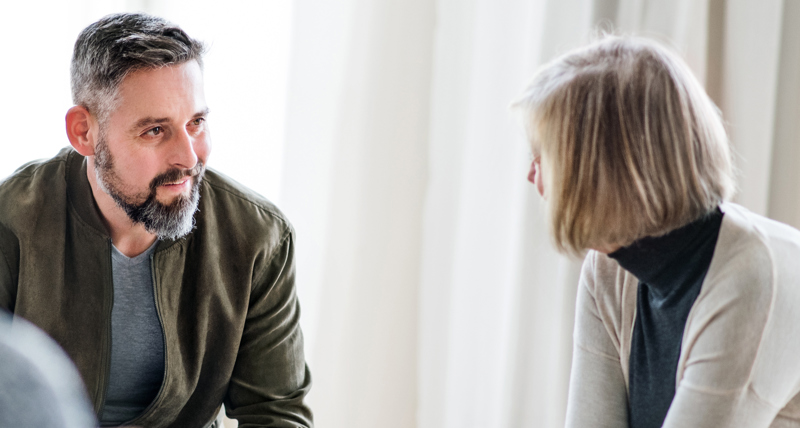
(146, 121)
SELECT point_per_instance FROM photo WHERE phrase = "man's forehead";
(186, 72)
(161, 95)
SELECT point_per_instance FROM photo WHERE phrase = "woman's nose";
(532, 173)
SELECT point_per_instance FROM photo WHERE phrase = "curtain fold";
(751, 48)
(355, 174)
(432, 294)
(784, 185)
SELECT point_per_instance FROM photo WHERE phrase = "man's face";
(152, 150)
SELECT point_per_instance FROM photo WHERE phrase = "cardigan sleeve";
(597, 391)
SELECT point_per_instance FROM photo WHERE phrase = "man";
(170, 286)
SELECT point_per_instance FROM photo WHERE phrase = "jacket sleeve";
(9, 268)
(270, 379)
(597, 392)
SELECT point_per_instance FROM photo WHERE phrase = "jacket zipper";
(107, 353)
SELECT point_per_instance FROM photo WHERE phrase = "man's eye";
(198, 121)
(155, 131)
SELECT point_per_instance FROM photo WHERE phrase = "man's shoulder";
(233, 203)
(37, 169)
(33, 186)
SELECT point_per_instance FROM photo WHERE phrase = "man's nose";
(184, 155)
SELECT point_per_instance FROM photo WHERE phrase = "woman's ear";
(79, 130)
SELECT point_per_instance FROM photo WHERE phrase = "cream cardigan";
(739, 364)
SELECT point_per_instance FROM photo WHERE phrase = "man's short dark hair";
(119, 44)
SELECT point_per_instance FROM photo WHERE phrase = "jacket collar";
(79, 193)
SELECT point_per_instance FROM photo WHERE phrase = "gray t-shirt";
(137, 340)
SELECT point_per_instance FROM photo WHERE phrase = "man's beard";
(167, 221)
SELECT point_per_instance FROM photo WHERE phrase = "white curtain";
(355, 175)
(432, 296)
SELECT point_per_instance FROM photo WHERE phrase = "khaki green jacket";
(225, 295)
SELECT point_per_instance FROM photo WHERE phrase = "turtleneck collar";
(663, 261)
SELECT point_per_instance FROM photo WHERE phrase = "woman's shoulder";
(611, 286)
(603, 274)
(744, 267)
(745, 224)
(755, 247)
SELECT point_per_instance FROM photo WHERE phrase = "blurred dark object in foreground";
(39, 385)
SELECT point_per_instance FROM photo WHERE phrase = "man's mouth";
(175, 179)
(179, 182)
(180, 185)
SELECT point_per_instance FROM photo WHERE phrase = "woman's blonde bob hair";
(631, 145)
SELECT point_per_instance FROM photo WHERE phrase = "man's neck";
(131, 239)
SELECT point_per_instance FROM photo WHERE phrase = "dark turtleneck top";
(670, 270)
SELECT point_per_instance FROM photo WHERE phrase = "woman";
(688, 311)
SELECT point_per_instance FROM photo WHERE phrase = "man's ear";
(79, 130)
